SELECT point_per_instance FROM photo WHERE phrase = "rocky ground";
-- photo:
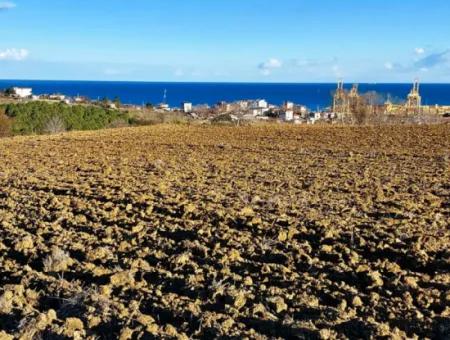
(203, 232)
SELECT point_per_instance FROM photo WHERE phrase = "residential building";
(259, 104)
(186, 107)
(223, 107)
(314, 117)
(164, 107)
(22, 92)
(59, 97)
(259, 107)
(289, 105)
(287, 115)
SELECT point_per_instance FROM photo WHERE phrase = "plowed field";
(203, 232)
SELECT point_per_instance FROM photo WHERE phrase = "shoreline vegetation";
(44, 117)
(41, 117)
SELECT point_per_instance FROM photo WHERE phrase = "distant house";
(22, 92)
(164, 107)
(289, 105)
(57, 96)
(243, 104)
(260, 103)
(79, 99)
(259, 107)
(223, 107)
(314, 117)
(288, 112)
(287, 115)
(187, 107)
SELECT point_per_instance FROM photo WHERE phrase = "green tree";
(33, 117)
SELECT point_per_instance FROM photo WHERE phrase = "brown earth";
(203, 232)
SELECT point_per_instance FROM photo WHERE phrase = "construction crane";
(414, 102)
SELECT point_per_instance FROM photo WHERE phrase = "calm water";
(311, 95)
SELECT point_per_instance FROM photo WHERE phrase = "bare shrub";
(55, 125)
(5, 126)
(158, 117)
(118, 123)
(57, 261)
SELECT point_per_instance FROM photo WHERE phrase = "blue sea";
(311, 95)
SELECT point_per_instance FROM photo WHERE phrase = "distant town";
(347, 106)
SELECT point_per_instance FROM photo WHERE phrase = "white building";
(289, 105)
(314, 117)
(187, 107)
(59, 97)
(259, 104)
(164, 107)
(22, 92)
(287, 115)
(243, 104)
(224, 107)
(259, 107)
(79, 99)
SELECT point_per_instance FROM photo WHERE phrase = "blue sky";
(226, 40)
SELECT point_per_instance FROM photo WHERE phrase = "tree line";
(42, 117)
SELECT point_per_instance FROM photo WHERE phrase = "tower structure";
(353, 97)
(414, 102)
(340, 101)
(165, 97)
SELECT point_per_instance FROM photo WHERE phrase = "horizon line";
(223, 82)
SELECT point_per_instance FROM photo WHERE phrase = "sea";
(313, 95)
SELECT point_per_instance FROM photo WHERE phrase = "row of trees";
(43, 117)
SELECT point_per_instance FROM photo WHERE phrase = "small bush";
(5, 126)
(55, 125)
(118, 123)
(158, 117)
(57, 261)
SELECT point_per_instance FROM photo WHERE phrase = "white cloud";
(267, 67)
(419, 50)
(389, 66)
(272, 63)
(314, 63)
(7, 5)
(14, 54)
(337, 71)
(422, 63)
(112, 72)
(179, 72)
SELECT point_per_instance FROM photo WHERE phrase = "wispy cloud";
(419, 50)
(313, 63)
(179, 72)
(268, 66)
(302, 67)
(337, 72)
(421, 64)
(14, 54)
(433, 60)
(389, 66)
(112, 72)
(7, 5)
